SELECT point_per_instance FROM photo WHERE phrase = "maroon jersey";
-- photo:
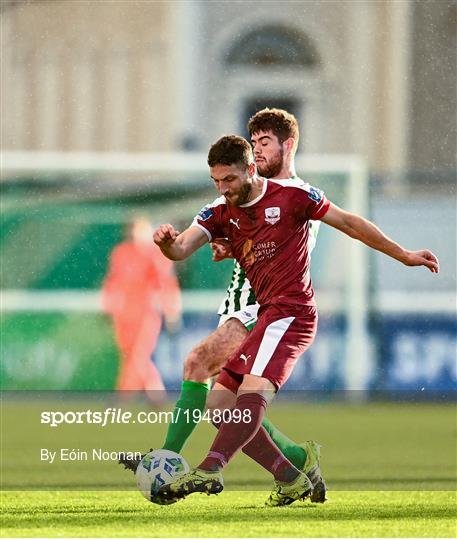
(269, 238)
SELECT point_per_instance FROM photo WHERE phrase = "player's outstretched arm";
(361, 229)
(178, 246)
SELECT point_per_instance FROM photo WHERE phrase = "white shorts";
(246, 316)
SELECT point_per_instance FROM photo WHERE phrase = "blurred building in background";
(377, 79)
(108, 109)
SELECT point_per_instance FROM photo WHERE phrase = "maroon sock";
(262, 449)
(233, 435)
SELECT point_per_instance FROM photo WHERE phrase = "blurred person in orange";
(139, 289)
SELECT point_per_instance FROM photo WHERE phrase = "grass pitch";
(391, 470)
(231, 514)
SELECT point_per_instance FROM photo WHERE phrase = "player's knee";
(216, 406)
(220, 398)
(196, 365)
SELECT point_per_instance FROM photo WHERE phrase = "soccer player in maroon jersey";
(274, 137)
(267, 225)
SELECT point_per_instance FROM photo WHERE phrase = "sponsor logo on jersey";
(315, 194)
(235, 222)
(205, 213)
(245, 358)
(272, 215)
(264, 250)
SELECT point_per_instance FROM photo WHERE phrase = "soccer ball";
(157, 468)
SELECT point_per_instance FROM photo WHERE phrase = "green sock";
(294, 453)
(193, 398)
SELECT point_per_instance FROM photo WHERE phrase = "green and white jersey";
(240, 294)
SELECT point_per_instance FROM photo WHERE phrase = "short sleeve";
(309, 201)
(209, 219)
(318, 203)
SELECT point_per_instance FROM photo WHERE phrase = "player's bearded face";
(233, 182)
(243, 193)
(271, 166)
(268, 154)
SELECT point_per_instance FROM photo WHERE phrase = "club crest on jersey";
(315, 194)
(205, 213)
(272, 215)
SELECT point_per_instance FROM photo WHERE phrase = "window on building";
(274, 46)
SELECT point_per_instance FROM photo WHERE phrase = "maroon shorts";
(282, 333)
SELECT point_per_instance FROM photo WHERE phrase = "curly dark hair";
(230, 149)
(280, 122)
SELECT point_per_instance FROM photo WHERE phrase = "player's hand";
(423, 257)
(221, 249)
(165, 235)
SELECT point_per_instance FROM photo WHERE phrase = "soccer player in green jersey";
(274, 137)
